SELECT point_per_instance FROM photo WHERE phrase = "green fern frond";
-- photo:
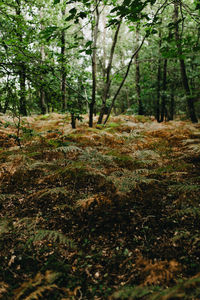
(127, 181)
(55, 191)
(145, 162)
(146, 155)
(40, 165)
(51, 235)
(143, 171)
(5, 226)
(189, 211)
(2, 197)
(67, 149)
(94, 157)
(25, 223)
(184, 188)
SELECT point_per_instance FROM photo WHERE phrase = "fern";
(184, 188)
(96, 158)
(51, 235)
(3, 289)
(36, 287)
(98, 199)
(189, 211)
(5, 226)
(67, 149)
(39, 292)
(126, 180)
(55, 191)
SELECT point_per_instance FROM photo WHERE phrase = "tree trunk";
(43, 105)
(123, 80)
(94, 65)
(137, 77)
(164, 87)
(108, 80)
(185, 82)
(158, 82)
(22, 68)
(73, 121)
(63, 71)
(22, 93)
(171, 110)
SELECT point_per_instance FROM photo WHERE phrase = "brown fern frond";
(97, 200)
(158, 272)
(37, 286)
(3, 289)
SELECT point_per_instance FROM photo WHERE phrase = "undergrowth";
(110, 212)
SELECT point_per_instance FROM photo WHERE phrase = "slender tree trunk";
(108, 80)
(43, 105)
(73, 121)
(137, 77)
(63, 70)
(164, 88)
(94, 65)
(158, 82)
(171, 110)
(22, 82)
(124, 79)
(22, 68)
(190, 99)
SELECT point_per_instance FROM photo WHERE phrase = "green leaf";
(82, 15)
(89, 43)
(73, 11)
(88, 51)
(56, 2)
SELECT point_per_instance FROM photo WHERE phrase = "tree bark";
(123, 80)
(94, 65)
(171, 110)
(43, 97)
(22, 68)
(158, 82)
(137, 77)
(185, 82)
(164, 88)
(22, 82)
(108, 80)
(63, 70)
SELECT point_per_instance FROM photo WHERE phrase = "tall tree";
(137, 76)
(22, 65)
(108, 72)
(185, 81)
(63, 61)
(95, 29)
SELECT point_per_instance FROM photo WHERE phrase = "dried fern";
(3, 289)
(98, 200)
(36, 287)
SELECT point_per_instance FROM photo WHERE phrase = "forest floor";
(110, 212)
